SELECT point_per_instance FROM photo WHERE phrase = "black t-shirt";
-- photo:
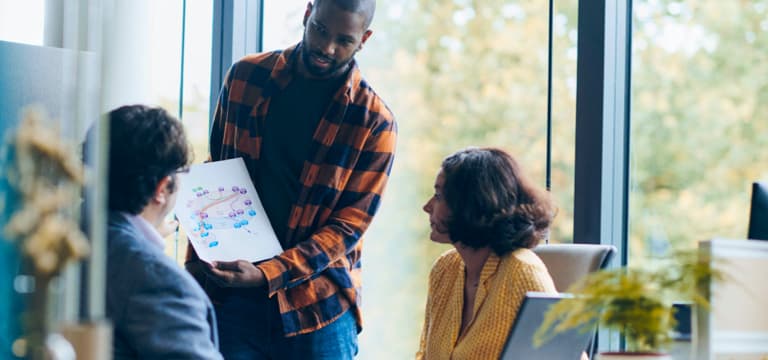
(291, 122)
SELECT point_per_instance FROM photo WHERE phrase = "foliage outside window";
(699, 119)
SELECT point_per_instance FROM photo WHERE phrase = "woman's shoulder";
(444, 263)
(523, 258)
(448, 258)
(528, 270)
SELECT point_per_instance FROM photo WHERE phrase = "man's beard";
(333, 65)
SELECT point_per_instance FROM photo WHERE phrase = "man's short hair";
(366, 8)
(145, 145)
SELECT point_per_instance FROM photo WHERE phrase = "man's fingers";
(231, 273)
(223, 277)
(244, 265)
(227, 265)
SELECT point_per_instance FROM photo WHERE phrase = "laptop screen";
(565, 345)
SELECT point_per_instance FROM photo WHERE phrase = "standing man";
(158, 311)
(318, 143)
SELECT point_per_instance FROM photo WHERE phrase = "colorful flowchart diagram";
(221, 212)
(223, 208)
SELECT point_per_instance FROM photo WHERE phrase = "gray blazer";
(157, 309)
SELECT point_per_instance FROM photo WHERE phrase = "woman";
(493, 216)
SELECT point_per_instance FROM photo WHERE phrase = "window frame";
(602, 123)
(602, 131)
(237, 31)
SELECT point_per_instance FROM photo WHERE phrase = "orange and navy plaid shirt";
(317, 278)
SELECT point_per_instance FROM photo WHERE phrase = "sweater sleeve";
(345, 226)
(421, 353)
(439, 280)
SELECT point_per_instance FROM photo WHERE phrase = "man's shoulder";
(136, 260)
(255, 69)
(125, 244)
(370, 104)
(263, 59)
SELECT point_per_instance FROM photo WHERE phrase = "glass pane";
(197, 76)
(565, 36)
(282, 23)
(196, 93)
(164, 52)
(165, 65)
(22, 21)
(169, 80)
(455, 74)
(699, 119)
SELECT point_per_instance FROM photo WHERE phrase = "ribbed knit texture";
(503, 284)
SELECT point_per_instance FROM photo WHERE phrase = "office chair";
(568, 263)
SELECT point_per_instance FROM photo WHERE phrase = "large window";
(22, 21)
(455, 74)
(699, 120)
(179, 49)
(179, 73)
(161, 56)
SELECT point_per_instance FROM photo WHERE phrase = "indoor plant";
(45, 177)
(636, 301)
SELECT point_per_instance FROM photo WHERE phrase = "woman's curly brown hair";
(492, 203)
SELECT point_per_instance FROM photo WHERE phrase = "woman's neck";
(474, 259)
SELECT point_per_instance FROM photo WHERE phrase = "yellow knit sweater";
(503, 284)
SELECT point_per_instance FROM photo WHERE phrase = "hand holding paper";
(236, 274)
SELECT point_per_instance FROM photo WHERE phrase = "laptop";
(567, 345)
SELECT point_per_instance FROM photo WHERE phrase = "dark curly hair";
(146, 144)
(492, 203)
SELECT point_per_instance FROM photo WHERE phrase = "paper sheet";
(221, 212)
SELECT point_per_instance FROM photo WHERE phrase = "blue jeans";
(250, 328)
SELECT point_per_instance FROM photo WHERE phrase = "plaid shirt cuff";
(276, 274)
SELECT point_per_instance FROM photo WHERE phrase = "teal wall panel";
(28, 75)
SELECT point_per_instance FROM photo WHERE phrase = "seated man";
(157, 309)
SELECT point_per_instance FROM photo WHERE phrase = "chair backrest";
(567, 263)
